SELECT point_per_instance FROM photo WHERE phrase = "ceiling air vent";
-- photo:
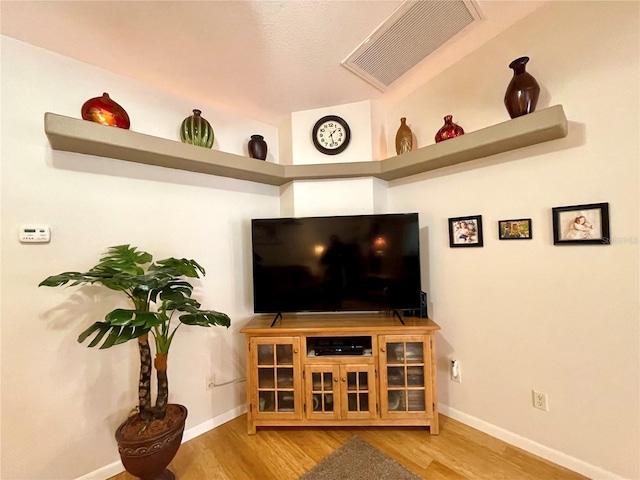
(412, 32)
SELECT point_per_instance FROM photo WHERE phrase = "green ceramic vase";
(195, 130)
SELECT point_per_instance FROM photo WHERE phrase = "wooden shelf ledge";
(80, 136)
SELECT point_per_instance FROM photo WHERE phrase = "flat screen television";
(336, 264)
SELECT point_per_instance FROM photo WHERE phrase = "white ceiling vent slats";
(410, 34)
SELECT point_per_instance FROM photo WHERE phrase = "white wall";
(357, 115)
(327, 197)
(523, 315)
(61, 401)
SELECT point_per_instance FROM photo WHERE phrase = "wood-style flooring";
(459, 452)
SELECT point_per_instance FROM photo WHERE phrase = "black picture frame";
(516, 229)
(465, 231)
(586, 224)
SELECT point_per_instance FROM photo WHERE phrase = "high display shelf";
(81, 136)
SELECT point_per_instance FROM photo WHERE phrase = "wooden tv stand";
(341, 369)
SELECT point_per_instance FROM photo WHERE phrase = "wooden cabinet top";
(336, 324)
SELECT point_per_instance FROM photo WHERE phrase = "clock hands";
(331, 135)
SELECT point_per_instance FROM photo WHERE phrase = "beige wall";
(61, 401)
(523, 315)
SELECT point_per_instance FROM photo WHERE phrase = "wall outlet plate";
(456, 373)
(540, 401)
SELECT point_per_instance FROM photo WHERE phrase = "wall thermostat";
(35, 234)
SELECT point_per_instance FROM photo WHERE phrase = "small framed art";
(581, 224)
(519, 229)
(465, 231)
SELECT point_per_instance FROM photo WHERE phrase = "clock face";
(331, 135)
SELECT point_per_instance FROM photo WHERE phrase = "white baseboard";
(115, 468)
(530, 446)
(204, 427)
(107, 471)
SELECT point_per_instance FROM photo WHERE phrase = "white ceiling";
(261, 59)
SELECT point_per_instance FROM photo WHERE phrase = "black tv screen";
(334, 264)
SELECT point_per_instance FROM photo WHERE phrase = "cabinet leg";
(434, 428)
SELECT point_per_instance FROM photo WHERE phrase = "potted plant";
(149, 438)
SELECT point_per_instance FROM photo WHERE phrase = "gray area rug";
(357, 460)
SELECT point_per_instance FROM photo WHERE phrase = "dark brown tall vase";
(523, 90)
(147, 458)
(257, 147)
(448, 130)
(404, 138)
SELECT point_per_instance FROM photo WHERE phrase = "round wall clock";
(331, 135)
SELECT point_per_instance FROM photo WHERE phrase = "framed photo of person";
(465, 231)
(581, 224)
(519, 229)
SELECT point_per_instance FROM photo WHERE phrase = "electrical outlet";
(456, 373)
(540, 401)
(210, 382)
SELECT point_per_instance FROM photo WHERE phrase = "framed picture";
(465, 231)
(581, 224)
(519, 229)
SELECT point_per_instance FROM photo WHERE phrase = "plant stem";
(163, 386)
(144, 386)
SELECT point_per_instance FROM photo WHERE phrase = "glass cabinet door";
(359, 386)
(322, 384)
(277, 361)
(405, 378)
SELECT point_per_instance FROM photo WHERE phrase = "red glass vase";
(448, 130)
(105, 111)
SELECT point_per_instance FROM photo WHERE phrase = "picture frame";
(581, 224)
(516, 229)
(465, 231)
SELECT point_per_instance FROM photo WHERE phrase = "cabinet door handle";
(382, 349)
(295, 350)
(344, 379)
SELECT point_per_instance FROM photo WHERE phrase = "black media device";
(339, 346)
(354, 263)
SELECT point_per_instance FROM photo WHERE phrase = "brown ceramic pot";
(147, 458)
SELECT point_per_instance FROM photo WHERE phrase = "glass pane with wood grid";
(323, 390)
(407, 376)
(360, 391)
(275, 383)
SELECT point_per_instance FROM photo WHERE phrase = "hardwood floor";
(459, 452)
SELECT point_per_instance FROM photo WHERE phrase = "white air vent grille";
(413, 31)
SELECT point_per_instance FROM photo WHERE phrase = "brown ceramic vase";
(404, 138)
(523, 90)
(257, 147)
